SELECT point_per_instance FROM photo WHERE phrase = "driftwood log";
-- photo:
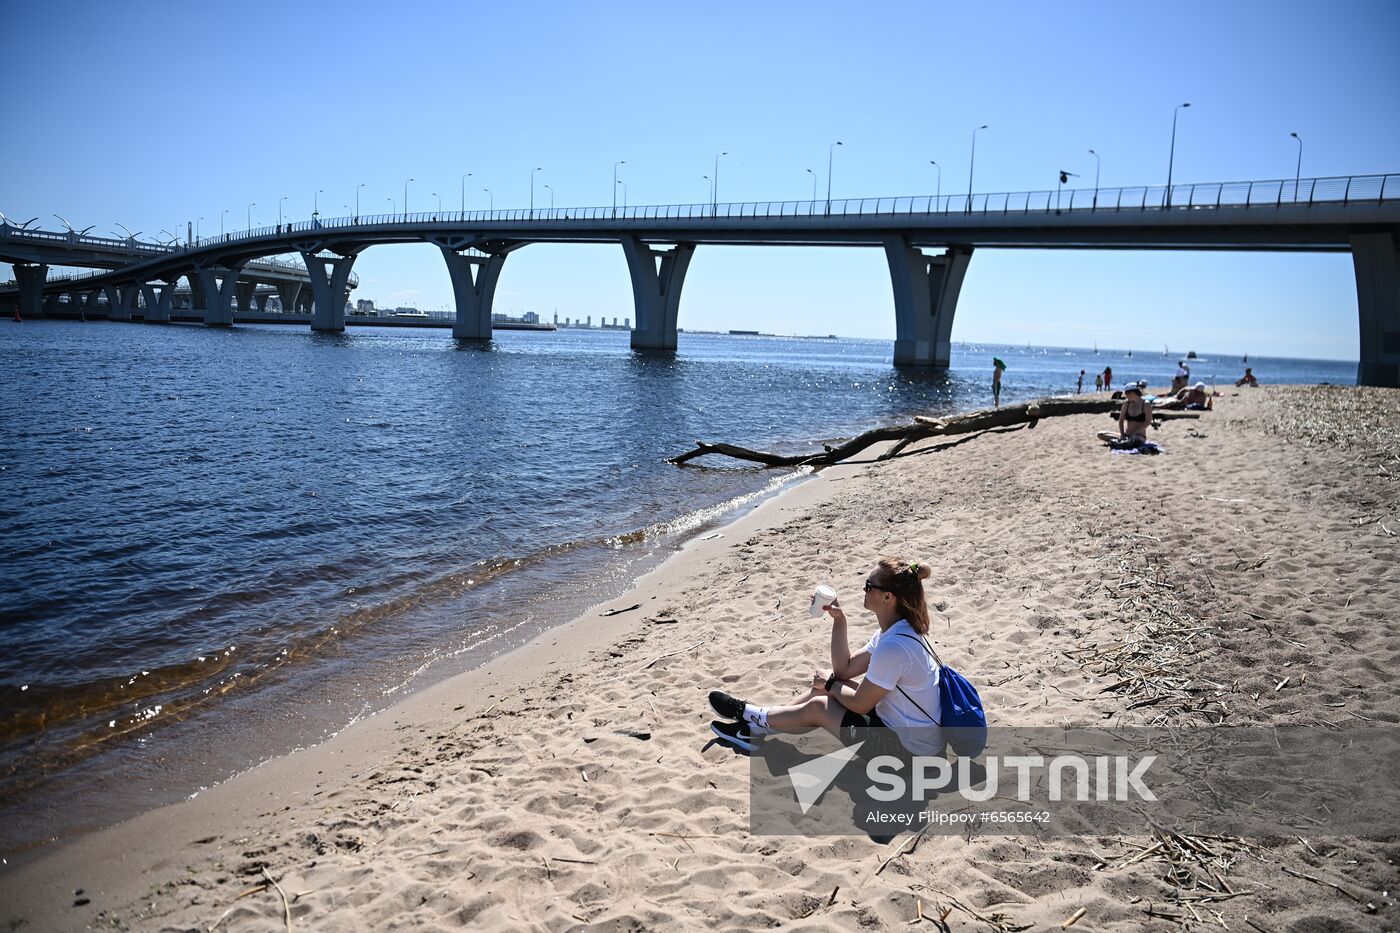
(904, 435)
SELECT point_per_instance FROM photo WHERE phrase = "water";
(221, 544)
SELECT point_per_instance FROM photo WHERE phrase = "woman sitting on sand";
(1133, 419)
(900, 689)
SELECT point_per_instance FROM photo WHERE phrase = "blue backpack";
(964, 720)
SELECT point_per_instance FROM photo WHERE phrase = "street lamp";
(829, 151)
(357, 200)
(405, 196)
(196, 226)
(624, 195)
(1299, 169)
(221, 221)
(279, 209)
(393, 208)
(972, 163)
(316, 202)
(464, 191)
(532, 189)
(251, 205)
(714, 188)
(814, 184)
(492, 202)
(1171, 159)
(614, 190)
(439, 197)
(709, 190)
(939, 196)
(551, 196)
(1098, 163)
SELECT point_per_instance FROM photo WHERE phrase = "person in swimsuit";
(900, 689)
(998, 367)
(1248, 379)
(1133, 419)
(1108, 378)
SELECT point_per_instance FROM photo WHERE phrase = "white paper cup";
(822, 597)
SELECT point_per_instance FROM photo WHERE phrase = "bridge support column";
(288, 293)
(244, 290)
(1376, 258)
(216, 286)
(121, 301)
(88, 303)
(329, 289)
(31, 288)
(656, 291)
(474, 281)
(158, 302)
(925, 299)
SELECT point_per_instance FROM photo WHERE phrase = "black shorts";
(879, 738)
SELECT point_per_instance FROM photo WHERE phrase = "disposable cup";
(822, 597)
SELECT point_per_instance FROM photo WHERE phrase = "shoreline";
(1024, 527)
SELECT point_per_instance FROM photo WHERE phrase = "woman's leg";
(815, 712)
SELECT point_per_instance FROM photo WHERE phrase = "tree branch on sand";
(904, 435)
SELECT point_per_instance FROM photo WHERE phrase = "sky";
(154, 114)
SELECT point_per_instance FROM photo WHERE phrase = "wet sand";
(512, 797)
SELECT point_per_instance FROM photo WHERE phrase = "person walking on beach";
(998, 367)
(899, 692)
(1079, 389)
(1108, 378)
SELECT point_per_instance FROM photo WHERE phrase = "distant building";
(365, 306)
(530, 317)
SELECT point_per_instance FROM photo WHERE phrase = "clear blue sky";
(153, 114)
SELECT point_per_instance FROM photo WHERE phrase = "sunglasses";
(870, 586)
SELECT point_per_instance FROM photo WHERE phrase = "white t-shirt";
(899, 661)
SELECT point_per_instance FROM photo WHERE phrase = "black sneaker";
(726, 706)
(736, 734)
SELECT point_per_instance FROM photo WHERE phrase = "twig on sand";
(672, 654)
(1074, 918)
(1316, 880)
(905, 849)
(615, 612)
(286, 908)
(832, 900)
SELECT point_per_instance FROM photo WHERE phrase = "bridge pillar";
(1376, 259)
(474, 281)
(925, 299)
(121, 301)
(216, 286)
(656, 291)
(31, 278)
(243, 291)
(289, 293)
(158, 302)
(329, 289)
(88, 303)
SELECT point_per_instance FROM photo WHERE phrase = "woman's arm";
(861, 699)
(1122, 416)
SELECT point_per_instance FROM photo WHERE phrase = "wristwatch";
(831, 682)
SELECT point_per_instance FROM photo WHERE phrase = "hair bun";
(923, 571)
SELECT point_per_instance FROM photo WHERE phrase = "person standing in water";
(1079, 389)
(998, 367)
(1108, 378)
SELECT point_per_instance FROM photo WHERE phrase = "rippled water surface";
(220, 544)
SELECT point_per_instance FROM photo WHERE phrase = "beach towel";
(1146, 447)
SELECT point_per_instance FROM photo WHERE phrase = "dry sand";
(1262, 544)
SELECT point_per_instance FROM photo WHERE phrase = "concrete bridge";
(1356, 214)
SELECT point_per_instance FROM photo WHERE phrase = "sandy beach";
(574, 783)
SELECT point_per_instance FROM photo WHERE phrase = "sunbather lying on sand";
(900, 689)
(1133, 419)
(1194, 398)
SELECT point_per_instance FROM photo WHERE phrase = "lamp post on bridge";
(405, 196)
(714, 188)
(251, 205)
(814, 185)
(1171, 158)
(464, 191)
(939, 196)
(532, 189)
(393, 208)
(830, 150)
(709, 191)
(439, 197)
(614, 188)
(551, 197)
(624, 195)
(1064, 177)
(279, 211)
(1098, 163)
(357, 201)
(1298, 170)
(316, 203)
(492, 202)
(221, 221)
(971, 164)
(196, 226)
